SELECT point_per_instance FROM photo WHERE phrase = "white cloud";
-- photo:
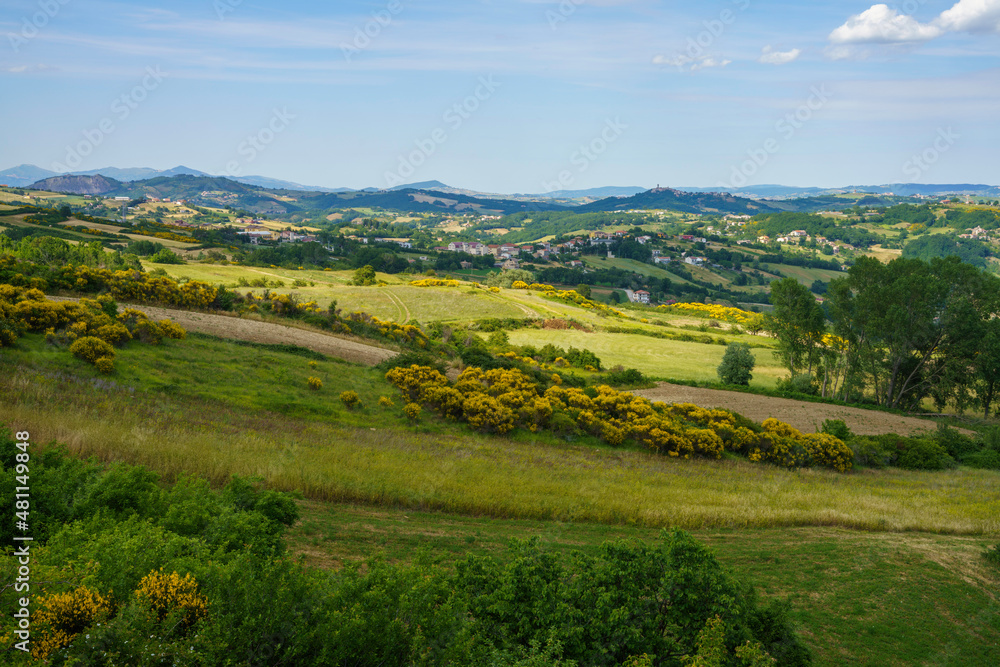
(971, 16)
(881, 24)
(687, 63)
(708, 61)
(769, 56)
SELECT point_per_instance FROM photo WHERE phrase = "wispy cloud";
(685, 63)
(769, 56)
(28, 69)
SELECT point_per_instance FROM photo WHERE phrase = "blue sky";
(508, 96)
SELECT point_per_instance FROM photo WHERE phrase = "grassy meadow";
(655, 357)
(213, 408)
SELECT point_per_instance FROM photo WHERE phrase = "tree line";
(895, 334)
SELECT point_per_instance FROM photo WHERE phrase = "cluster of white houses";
(257, 233)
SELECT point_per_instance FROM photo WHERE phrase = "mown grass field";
(804, 275)
(655, 357)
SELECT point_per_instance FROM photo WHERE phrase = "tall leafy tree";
(797, 322)
(912, 328)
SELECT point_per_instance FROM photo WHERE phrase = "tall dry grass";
(483, 475)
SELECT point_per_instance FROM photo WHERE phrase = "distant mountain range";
(25, 175)
(221, 191)
(28, 174)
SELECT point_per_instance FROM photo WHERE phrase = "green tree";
(737, 365)
(583, 290)
(797, 322)
(914, 329)
(364, 276)
(987, 366)
(508, 278)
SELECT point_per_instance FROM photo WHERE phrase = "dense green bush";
(798, 384)
(166, 256)
(629, 599)
(837, 428)
(872, 452)
(923, 454)
(624, 377)
(955, 443)
(987, 459)
(737, 365)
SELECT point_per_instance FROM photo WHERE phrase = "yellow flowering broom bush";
(500, 400)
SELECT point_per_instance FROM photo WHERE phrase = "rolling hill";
(79, 185)
(676, 200)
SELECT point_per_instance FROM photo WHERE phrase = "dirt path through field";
(803, 415)
(266, 332)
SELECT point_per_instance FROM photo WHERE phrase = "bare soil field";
(256, 331)
(805, 416)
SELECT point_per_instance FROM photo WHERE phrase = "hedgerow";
(499, 400)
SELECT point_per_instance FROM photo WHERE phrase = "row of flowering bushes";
(91, 328)
(569, 296)
(715, 312)
(133, 285)
(500, 400)
(435, 282)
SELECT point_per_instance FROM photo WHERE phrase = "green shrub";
(837, 428)
(166, 257)
(923, 454)
(955, 443)
(737, 365)
(124, 490)
(627, 377)
(668, 591)
(987, 459)
(364, 276)
(871, 452)
(499, 339)
(799, 384)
